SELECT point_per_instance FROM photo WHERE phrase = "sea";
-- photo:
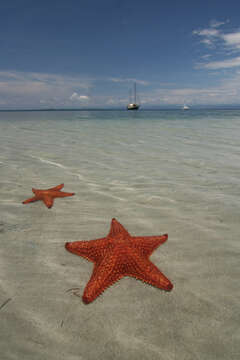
(156, 172)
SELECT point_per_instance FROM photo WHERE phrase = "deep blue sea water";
(175, 172)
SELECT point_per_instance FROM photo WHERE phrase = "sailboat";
(133, 105)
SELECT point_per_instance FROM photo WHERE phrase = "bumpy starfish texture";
(117, 255)
(48, 196)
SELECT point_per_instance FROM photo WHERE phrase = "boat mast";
(130, 96)
(133, 105)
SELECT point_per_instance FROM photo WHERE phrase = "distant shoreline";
(237, 107)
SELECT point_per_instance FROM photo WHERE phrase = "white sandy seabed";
(155, 173)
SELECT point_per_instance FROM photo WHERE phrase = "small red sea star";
(48, 196)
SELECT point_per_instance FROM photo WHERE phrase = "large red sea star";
(117, 255)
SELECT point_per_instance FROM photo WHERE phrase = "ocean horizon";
(142, 108)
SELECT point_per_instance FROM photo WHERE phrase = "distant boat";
(185, 107)
(133, 105)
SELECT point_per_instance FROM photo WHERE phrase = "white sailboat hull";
(133, 107)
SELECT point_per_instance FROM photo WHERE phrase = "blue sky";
(79, 54)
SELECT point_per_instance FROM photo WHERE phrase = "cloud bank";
(225, 45)
(38, 90)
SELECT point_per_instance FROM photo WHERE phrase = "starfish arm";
(116, 229)
(147, 244)
(32, 199)
(155, 278)
(63, 194)
(58, 187)
(143, 269)
(48, 201)
(92, 250)
(104, 275)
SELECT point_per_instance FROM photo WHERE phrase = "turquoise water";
(157, 172)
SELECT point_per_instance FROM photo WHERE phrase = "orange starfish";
(47, 196)
(117, 255)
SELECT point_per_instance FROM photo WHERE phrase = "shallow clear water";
(157, 172)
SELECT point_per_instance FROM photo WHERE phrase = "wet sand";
(42, 320)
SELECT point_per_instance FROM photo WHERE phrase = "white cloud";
(232, 39)
(206, 56)
(221, 42)
(129, 80)
(77, 97)
(209, 35)
(224, 64)
(206, 32)
(208, 42)
(216, 24)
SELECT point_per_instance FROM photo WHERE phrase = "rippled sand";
(156, 172)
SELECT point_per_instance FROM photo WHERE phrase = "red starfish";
(47, 196)
(117, 255)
